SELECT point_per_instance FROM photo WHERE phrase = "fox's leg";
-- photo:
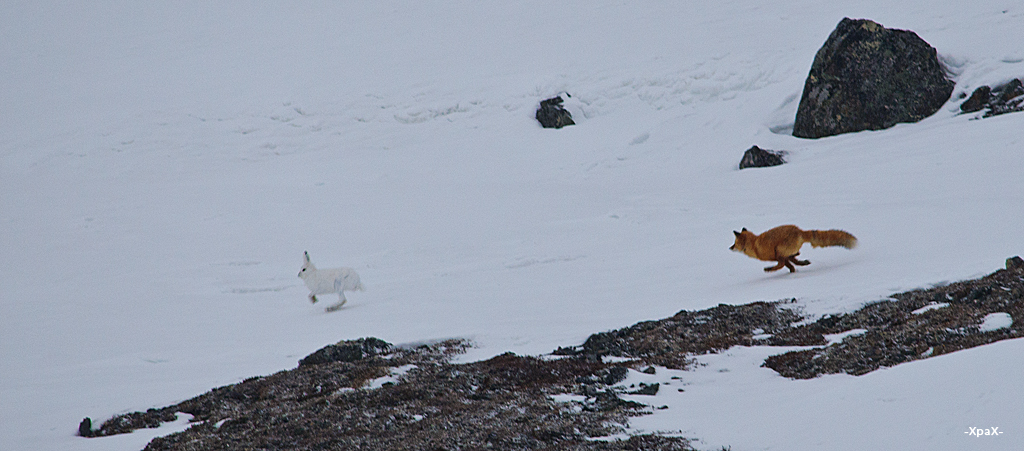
(789, 265)
(782, 262)
(793, 259)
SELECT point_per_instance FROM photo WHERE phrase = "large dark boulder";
(868, 77)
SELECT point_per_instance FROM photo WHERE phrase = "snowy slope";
(162, 168)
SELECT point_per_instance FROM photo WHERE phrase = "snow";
(996, 321)
(134, 441)
(163, 167)
(928, 404)
(838, 338)
(931, 306)
(568, 397)
(393, 377)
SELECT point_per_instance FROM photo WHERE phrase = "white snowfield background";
(163, 165)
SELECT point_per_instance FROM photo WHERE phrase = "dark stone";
(977, 101)
(347, 351)
(1015, 263)
(868, 77)
(551, 114)
(999, 100)
(1010, 90)
(85, 427)
(756, 157)
(646, 389)
(566, 351)
(1006, 99)
(613, 375)
(608, 400)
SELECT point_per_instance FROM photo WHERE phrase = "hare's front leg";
(312, 298)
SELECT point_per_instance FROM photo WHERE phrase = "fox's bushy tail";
(823, 238)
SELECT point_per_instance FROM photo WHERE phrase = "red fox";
(782, 244)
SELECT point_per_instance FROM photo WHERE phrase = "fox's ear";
(737, 233)
(744, 229)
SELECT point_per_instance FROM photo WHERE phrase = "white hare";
(326, 281)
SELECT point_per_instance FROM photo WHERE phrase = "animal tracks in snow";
(589, 97)
(286, 128)
(248, 266)
(526, 262)
(259, 290)
(416, 115)
(640, 139)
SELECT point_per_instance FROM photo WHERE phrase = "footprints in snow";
(526, 262)
(251, 290)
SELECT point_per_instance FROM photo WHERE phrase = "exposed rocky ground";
(1006, 98)
(368, 394)
(326, 403)
(913, 325)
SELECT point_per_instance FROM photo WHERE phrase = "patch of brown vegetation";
(501, 403)
(895, 334)
(669, 342)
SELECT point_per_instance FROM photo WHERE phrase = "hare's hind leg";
(341, 302)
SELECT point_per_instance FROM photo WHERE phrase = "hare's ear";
(305, 256)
